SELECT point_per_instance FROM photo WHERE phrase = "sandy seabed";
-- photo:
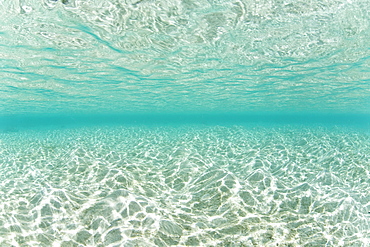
(185, 186)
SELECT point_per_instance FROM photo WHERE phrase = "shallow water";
(89, 56)
(184, 123)
(189, 185)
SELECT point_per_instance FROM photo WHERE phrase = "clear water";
(184, 123)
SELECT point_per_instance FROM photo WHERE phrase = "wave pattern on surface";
(188, 186)
(242, 55)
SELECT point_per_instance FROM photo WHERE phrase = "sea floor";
(185, 186)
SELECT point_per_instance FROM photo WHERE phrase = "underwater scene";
(184, 123)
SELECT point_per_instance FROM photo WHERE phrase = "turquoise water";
(183, 55)
(184, 123)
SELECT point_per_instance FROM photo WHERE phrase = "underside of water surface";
(184, 123)
(182, 55)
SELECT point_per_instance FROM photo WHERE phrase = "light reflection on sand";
(185, 186)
